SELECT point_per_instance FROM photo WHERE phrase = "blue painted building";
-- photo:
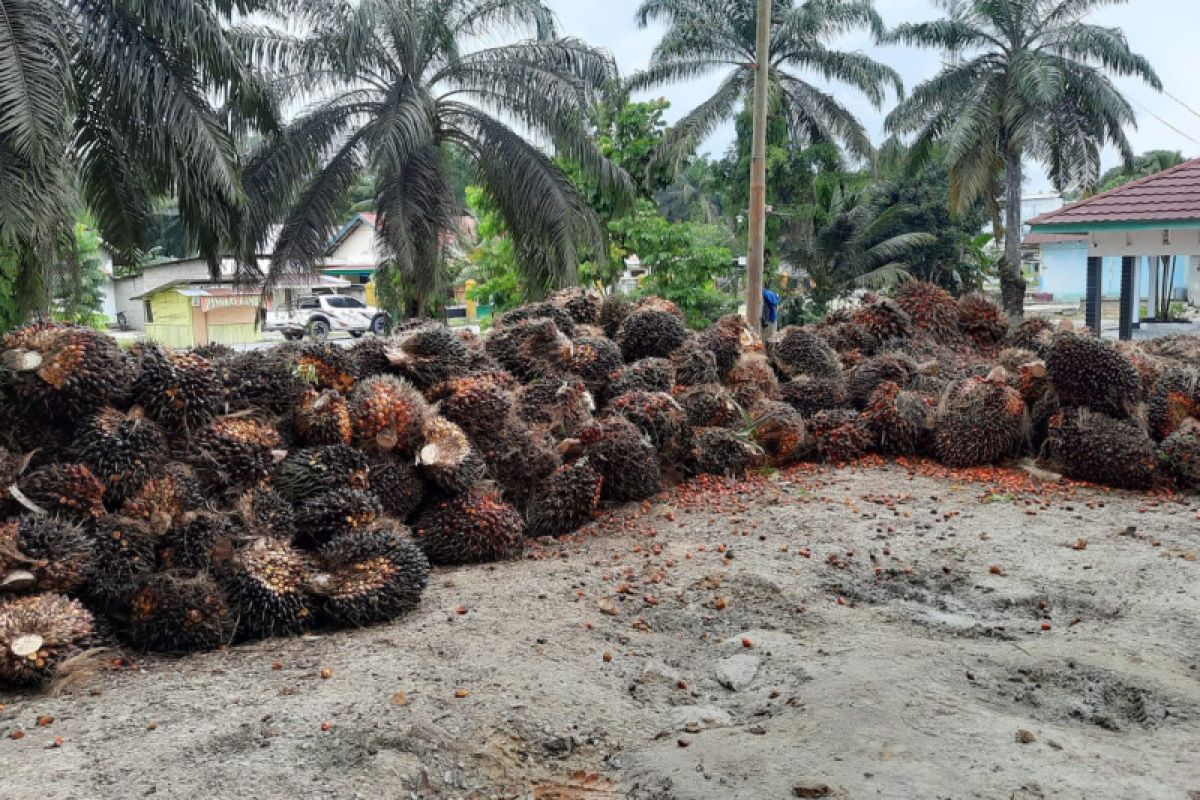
(1062, 271)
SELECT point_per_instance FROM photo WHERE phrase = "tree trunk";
(1012, 282)
(755, 255)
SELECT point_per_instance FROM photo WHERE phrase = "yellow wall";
(172, 324)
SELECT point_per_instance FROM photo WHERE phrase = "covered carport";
(1155, 216)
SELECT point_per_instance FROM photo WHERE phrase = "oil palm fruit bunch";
(882, 319)
(613, 312)
(125, 551)
(657, 415)
(1087, 371)
(561, 318)
(812, 395)
(69, 490)
(656, 303)
(327, 366)
(841, 436)
(1181, 347)
(428, 355)
(797, 351)
(901, 421)
(727, 339)
(694, 363)
(710, 406)
(43, 554)
(192, 542)
(37, 634)
(982, 320)
(64, 369)
(447, 458)
(264, 581)
(980, 421)
(179, 391)
(368, 577)
(334, 513)
(235, 450)
(387, 414)
(864, 379)
(323, 418)
(476, 403)
(565, 500)
(623, 457)
(1180, 454)
(650, 333)
(582, 304)
(846, 337)
(563, 405)
(933, 310)
(179, 611)
(1148, 367)
(781, 432)
(646, 375)
(122, 449)
(398, 485)
(262, 379)
(478, 360)
(1094, 447)
(530, 348)
(470, 528)
(1174, 399)
(518, 457)
(594, 359)
(721, 451)
(214, 351)
(267, 512)
(1034, 334)
(172, 492)
(752, 380)
(310, 471)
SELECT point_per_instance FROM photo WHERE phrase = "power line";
(1169, 125)
(1185, 105)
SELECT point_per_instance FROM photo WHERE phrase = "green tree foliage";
(951, 259)
(115, 97)
(492, 262)
(1144, 165)
(704, 37)
(687, 264)
(389, 83)
(79, 282)
(1031, 81)
(855, 246)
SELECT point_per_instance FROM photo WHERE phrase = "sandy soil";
(852, 633)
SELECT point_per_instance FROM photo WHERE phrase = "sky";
(1162, 30)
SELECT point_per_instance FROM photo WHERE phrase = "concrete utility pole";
(758, 172)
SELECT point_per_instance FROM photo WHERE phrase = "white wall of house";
(359, 248)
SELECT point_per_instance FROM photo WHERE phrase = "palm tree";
(1027, 79)
(111, 99)
(390, 85)
(709, 36)
(855, 245)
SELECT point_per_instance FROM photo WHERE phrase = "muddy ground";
(856, 633)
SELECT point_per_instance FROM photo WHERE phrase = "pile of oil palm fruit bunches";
(177, 501)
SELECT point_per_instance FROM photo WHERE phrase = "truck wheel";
(289, 336)
(318, 330)
(379, 325)
(357, 334)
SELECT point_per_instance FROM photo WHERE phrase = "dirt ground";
(876, 631)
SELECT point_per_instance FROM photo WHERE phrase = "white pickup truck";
(317, 316)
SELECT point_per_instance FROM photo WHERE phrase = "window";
(344, 302)
(310, 303)
(149, 311)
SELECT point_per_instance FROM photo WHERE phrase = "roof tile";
(1171, 195)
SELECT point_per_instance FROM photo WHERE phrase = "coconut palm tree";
(389, 85)
(1028, 80)
(114, 99)
(705, 37)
